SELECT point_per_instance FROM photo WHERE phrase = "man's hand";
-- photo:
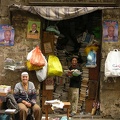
(26, 103)
(70, 73)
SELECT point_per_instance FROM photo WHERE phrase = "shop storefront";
(69, 24)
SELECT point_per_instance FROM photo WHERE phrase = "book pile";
(84, 86)
(83, 89)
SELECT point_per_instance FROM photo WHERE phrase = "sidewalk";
(76, 117)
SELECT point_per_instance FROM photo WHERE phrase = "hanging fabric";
(58, 13)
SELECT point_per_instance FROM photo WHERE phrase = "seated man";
(25, 95)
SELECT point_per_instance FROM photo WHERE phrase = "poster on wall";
(7, 34)
(33, 30)
(110, 31)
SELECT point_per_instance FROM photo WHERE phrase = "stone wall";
(22, 45)
(109, 88)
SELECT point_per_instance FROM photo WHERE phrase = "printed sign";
(6, 35)
(33, 30)
(110, 31)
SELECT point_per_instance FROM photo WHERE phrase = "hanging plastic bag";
(30, 55)
(31, 67)
(112, 64)
(91, 59)
(37, 57)
(54, 66)
(89, 48)
(42, 74)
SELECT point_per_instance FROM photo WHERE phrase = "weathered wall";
(110, 89)
(18, 52)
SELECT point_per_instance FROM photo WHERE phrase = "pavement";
(76, 117)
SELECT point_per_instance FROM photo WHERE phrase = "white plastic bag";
(112, 64)
(76, 72)
(42, 74)
(30, 54)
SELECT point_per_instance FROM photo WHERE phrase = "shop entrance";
(77, 36)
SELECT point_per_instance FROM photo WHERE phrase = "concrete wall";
(109, 89)
(22, 45)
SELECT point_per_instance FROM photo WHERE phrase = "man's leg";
(75, 97)
(23, 111)
(70, 98)
(37, 112)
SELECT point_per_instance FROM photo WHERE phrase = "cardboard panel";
(48, 43)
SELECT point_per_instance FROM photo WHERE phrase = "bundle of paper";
(55, 104)
(4, 89)
(52, 101)
(10, 110)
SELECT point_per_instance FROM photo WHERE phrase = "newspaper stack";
(55, 104)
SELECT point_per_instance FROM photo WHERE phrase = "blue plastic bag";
(4, 117)
(91, 59)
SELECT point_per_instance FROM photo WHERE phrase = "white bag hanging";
(30, 54)
(42, 74)
(112, 64)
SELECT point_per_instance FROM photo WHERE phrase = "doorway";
(71, 41)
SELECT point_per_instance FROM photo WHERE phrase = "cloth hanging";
(54, 13)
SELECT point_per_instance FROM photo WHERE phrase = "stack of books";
(84, 86)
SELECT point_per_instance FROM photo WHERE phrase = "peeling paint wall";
(110, 88)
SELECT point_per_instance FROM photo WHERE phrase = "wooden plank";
(88, 105)
(47, 95)
(92, 89)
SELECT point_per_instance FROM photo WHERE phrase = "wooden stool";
(66, 105)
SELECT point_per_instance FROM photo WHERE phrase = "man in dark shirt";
(75, 84)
